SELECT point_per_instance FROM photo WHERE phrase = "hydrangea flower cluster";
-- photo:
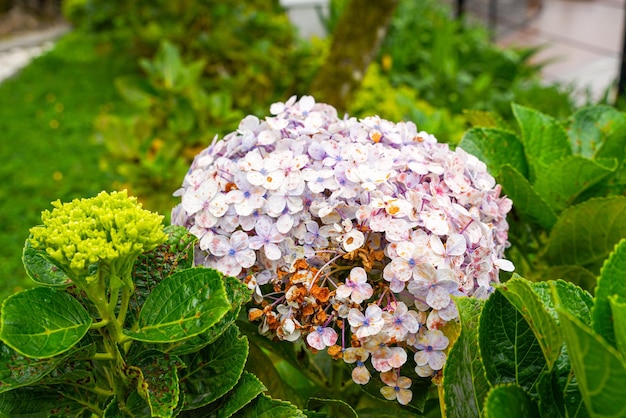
(109, 229)
(354, 234)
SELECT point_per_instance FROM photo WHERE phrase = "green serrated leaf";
(618, 310)
(598, 132)
(42, 269)
(483, 119)
(43, 322)
(160, 381)
(521, 295)
(464, 383)
(576, 300)
(599, 368)
(510, 401)
(495, 147)
(214, 370)
(237, 294)
(265, 407)
(247, 388)
(543, 137)
(586, 233)
(509, 349)
(526, 201)
(185, 304)
(34, 402)
(610, 283)
(17, 370)
(561, 182)
(152, 267)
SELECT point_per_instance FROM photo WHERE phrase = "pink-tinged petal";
(397, 357)
(314, 339)
(421, 358)
(438, 298)
(400, 270)
(246, 258)
(424, 371)
(329, 336)
(436, 245)
(284, 223)
(239, 240)
(360, 375)
(405, 249)
(263, 227)
(362, 292)
(219, 245)
(272, 251)
(404, 396)
(228, 266)
(343, 291)
(381, 364)
(389, 378)
(403, 382)
(218, 205)
(438, 340)
(436, 222)
(358, 275)
(355, 317)
(436, 360)
(456, 244)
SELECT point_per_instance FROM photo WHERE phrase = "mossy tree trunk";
(360, 31)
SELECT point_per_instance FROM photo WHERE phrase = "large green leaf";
(618, 309)
(247, 388)
(237, 294)
(576, 300)
(34, 402)
(495, 147)
(611, 282)
(599, 368)
(559, 396)
(42, 269)
(159, 381)
(543, 137)
(510, 401)
(152, 267)
(185, 304)
(464, 383)
(17, 370)
(526, 201)
(561, 182)
(586, 233)
(598, 132)
(265, 407)
(213, 371)
(509, 349)
(521, 295)
(43, 322)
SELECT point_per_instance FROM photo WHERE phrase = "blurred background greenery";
(138, 87)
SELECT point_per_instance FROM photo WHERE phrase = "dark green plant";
(453, 63)
(566, 181)
(122, 325)
(152, 148)
(545, 349)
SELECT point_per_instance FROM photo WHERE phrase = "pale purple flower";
(356, 287)
(368, 324)
(430, 348)
(267, 237)
(433, 286)
(322, 337)
(234, 253)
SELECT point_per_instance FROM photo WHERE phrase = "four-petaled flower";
(356, 288)
(368, 324)
(397, 387)
(430, 348)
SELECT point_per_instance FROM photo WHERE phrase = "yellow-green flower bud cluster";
(105, 228)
